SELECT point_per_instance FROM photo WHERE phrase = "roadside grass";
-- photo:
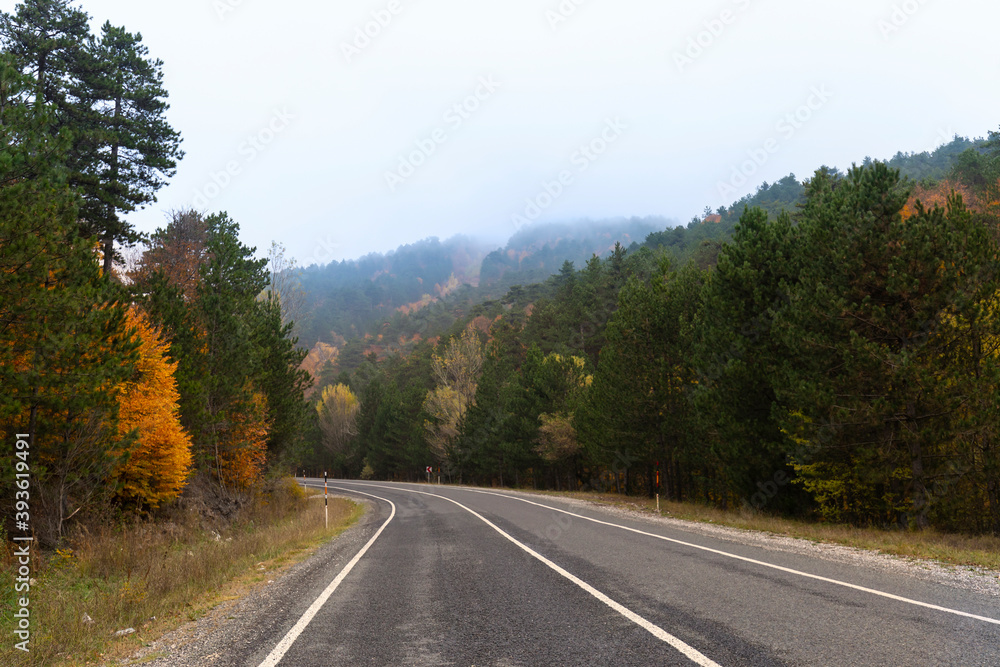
(153, 577)
(945, 548)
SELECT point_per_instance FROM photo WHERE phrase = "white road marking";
(286, 643)
(817, 577)
(688, 651)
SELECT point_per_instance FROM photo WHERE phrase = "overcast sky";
(337, 143)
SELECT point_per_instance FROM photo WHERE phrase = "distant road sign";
(429, 469)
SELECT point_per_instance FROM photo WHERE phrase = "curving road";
(457, 576)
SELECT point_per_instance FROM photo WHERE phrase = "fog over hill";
(345, 299)
(355, 298)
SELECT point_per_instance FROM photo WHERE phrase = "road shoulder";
(255, 620)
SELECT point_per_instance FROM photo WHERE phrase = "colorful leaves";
(159, 461)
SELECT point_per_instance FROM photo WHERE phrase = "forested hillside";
(345, 299)
(788, 193)
(356, 298)
(836, 357)
(387, 304)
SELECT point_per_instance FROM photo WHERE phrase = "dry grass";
(949, 549)
(153, 577)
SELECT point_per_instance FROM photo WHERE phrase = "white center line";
(688, 651)
(279, 651)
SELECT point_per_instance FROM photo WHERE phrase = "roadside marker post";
(326, 499)
(657, 487)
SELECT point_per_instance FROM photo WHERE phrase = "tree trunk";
(919, 492)
(109, 237)
(993, 489)
(40, 85)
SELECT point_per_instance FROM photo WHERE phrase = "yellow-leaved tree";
(338, 410)
(457, 374)
(159, 460)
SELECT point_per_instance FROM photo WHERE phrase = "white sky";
(320, 185)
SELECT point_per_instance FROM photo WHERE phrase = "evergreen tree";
(737, 352)
(106, 96)
(637, 409)
(47, 40)
(66, 344)
(867, 379)
(282, 380)
(133, 150)
(237, 364)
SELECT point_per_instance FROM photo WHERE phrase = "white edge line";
(279, 651)
(817, 577)
(688, 651)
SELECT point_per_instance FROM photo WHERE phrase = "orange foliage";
(481, 324)
(937, 196)
(449, 287)
(160, 460)
(243, 446)
(991, 199)
(318, 357)
(179, 251)
(410, 308)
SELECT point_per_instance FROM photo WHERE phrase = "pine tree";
(64, 341)
(737, 351)
(106, 95)
(868, 380)
(47, 40)
(281, 380)
(134, 149)
(233, 354)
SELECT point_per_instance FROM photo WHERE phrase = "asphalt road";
(454, 576)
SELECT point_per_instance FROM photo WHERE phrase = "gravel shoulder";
(235, 631)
